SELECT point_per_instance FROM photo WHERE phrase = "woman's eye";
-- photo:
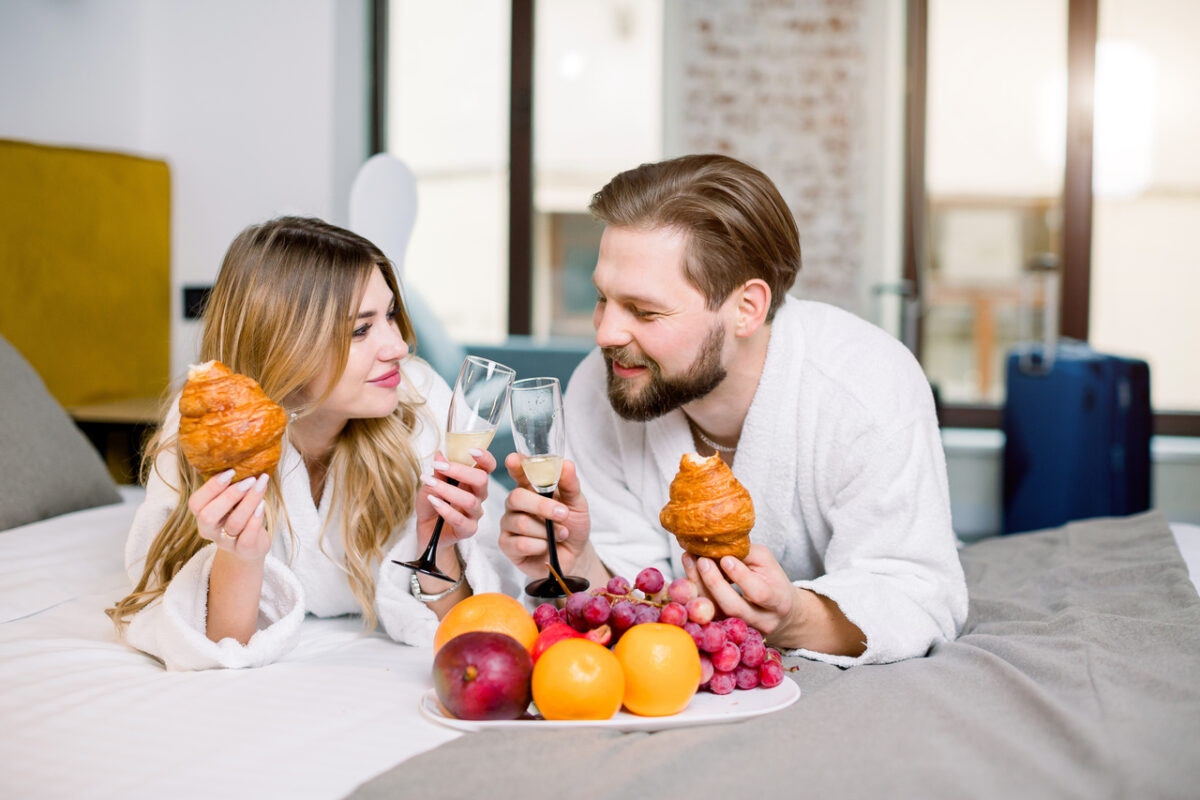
(361, 331)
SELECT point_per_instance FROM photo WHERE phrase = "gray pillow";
(47, 466)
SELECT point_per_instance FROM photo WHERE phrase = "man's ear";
(753, 302)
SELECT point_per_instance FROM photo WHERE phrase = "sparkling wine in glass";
(540, 436)
(480, 395)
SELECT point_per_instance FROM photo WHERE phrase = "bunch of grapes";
(732, 653)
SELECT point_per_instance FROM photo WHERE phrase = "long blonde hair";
(281, 310)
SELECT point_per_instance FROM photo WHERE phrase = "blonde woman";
(225, 572)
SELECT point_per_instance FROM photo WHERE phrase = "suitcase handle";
(1045, 268)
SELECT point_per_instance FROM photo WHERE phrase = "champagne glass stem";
(551, 543)
(427, 563)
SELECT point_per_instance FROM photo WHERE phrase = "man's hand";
(788, 616)
(523, 526)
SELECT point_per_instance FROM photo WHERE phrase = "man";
(826, 420)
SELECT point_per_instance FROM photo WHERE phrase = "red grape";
(770, 674)
(706, 668)
(701, 610)
(727, 658)
(617, 585)
(623, 615)
(645, 613)
(596, 611)
(712, 638)
(722, 683)
(545, 615)
(673, 614)
(681, 591)
(747, 677)
(753, 652)
(650, 581)
(736, 629)
(774, 655)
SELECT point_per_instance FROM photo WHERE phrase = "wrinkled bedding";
(1078, 675)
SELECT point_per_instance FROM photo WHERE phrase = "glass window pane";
(597, 111)
(1146, 180)
(447, 106)
(995, 128)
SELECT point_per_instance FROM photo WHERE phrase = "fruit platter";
(641, 655)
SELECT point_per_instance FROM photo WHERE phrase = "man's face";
(662, 347)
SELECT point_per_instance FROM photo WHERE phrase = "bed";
(1078, 675)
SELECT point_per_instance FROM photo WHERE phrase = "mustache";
(627, 357)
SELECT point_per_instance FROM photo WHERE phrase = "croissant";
(226, 421)
(709, 512)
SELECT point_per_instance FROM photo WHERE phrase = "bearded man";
(824, 418)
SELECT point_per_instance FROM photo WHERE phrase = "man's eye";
(637, 312)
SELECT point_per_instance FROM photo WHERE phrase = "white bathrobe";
(842, 456)
(299, 578)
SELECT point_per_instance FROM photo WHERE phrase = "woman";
(225, 573)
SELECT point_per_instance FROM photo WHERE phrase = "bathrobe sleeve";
(891, 564)
(173, 627)
(405, 618)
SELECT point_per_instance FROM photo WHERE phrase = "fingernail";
(428, 480)
(440, 465)
(260, 508)
(475, 451)
(729, 563)
(704, 564)
(562, 534)
(261, 483)
(559, 513)
(226, 476)
(436, 503)
(244, 483)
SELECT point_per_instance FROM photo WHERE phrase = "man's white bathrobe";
(841, 454)
(302, 573)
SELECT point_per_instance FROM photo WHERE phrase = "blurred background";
(939, 156)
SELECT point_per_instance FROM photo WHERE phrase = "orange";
(490, 611)
(662, 668)
(578, 679)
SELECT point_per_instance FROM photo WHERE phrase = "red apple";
(553, 634)
(483, 675)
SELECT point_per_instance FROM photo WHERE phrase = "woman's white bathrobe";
(299, 578)
(841, 454)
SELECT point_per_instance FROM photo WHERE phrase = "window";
(1003, 193)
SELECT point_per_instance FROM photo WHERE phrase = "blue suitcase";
(1077, 432)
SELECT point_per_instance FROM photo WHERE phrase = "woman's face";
(367, 388)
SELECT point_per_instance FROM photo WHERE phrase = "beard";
(664, 394)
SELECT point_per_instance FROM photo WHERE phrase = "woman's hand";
(232, 516)
(460, 506)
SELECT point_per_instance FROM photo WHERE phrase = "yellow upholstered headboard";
(85, 269)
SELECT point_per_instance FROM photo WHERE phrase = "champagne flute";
(540, 436)
(480, 394)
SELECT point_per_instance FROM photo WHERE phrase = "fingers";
(465, 499)
(253, 541)
(527, 501)
(720, 590)
(241, 514)
(568, 484)
(210, 515)
(693, 574)
(211, 488)
(512, 463)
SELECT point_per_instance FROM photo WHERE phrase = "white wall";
(259, 108)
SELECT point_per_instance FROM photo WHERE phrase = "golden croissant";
(709, 512)
(226, 421)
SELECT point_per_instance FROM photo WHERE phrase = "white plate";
(705, 709)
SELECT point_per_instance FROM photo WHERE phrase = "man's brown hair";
(737, 224)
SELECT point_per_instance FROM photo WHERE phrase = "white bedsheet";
(82, 715)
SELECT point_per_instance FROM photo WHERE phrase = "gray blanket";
(1077, 675)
